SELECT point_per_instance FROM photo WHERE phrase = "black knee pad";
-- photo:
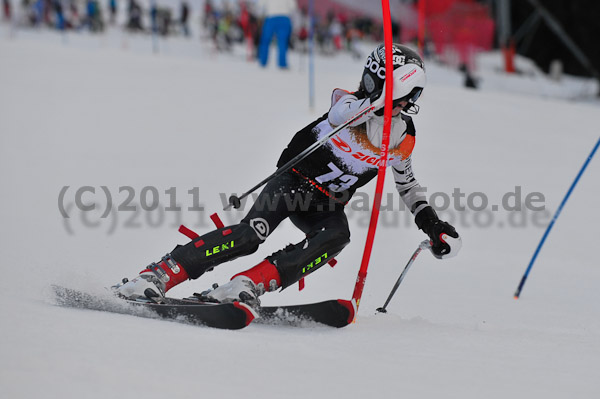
(216, 247)
(299, 260)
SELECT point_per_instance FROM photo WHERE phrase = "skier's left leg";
(327, 233)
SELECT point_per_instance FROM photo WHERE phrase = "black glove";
(441, 247)
(375, 95)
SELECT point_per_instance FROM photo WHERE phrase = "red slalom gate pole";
(387, 115)
(421, 29)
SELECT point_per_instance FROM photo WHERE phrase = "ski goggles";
(410, 98)
(410, 107)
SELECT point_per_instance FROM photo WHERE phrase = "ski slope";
(94, 111)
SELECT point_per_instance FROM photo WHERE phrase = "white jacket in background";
(272, 8)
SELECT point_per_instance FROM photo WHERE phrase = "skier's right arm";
(425, 216)
(345, 106)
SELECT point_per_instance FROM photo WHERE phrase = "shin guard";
(297, 261)
(211, 249)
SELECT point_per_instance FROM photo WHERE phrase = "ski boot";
(246, 286)
(153, 282)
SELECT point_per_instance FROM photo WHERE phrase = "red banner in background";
(458, 29)
(434, 7)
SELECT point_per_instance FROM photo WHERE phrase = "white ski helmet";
(409, 75)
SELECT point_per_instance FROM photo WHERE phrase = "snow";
(81, 110)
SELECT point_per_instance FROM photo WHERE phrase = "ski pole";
(235, 201)
(426, 244)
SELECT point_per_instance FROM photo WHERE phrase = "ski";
(334, 313)
(231, 316)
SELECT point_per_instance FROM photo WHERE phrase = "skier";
(313, 194)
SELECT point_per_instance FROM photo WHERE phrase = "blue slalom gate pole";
(311, 55)
(562, 204)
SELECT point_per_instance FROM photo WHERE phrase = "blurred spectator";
(396, 32)
(302, 30)
(352, 37)
(184, 17)
(38, 12)
(470, 81)
(153, 17)
(323, 37)
(134, 16)
(94, 16)
(162, 20)
(208, 15)
(335, 32)
(112, 8)
(255, 31)
(223, 34)
(278, 23)
(249, 26)
(211, 24)
(25, 12)
(226, 22)
(73, 18)
(60, 16)
(47, 12)
(6, 9)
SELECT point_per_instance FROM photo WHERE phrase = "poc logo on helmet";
(374, 67)
(379, 70)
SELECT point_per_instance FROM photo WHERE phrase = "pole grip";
(234, 201)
